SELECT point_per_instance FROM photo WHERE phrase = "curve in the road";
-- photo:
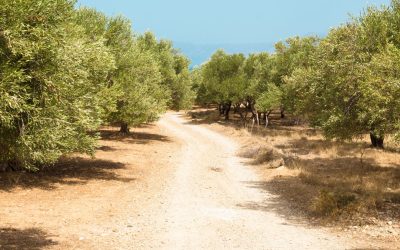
(203, 204)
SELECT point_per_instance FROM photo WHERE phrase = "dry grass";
(346, 182)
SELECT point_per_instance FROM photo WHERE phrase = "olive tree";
(174, 69)
(50, 77)
(294, 53)
(353, 85)
(259, 70)
(223, 80)
(135, 84)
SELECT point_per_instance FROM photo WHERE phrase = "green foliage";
(142, 98)
(198, 86)
(50, 78)
(354, 79)
(64, 72)
(223, 78)
(295, 55)
(259, 72)
(270, 99)
(347, 83)
(182, 91)
(174, 69)
(149, 75)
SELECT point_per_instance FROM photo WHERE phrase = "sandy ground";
(175, 185)
(210, 202)
(85, 203)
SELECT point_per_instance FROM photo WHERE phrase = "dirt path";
(209, 202)
(174, 185)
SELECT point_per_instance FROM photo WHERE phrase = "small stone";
(81, 238)
(390, 223)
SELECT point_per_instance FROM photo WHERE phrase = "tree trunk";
(220, 109)
(124, 128)
(246, 112)
(259, 116)
(227, 110)
(267, 118)
(236, 109)
(257, 119)
(242, 117)
(255, 114)
(377, 141)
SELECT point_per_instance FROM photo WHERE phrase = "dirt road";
(173, 185)
(209, 202)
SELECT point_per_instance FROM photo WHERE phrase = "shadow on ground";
(32, 239)
(133, 137)
(68, 171)
(79, 170)
(354, 187)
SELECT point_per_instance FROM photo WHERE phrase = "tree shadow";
(306, 146)
(208, 116)
(282, 200)
(32, 239)
(106, 149)
(68, 171)
(79, 170)
(133, 137)
(367, 184)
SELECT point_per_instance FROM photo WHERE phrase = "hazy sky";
(233, 21)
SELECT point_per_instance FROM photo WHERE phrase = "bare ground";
(344, 186)
(173, 185)
(84, 203)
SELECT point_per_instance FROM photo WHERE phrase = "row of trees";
(347, 83)
(65, 71)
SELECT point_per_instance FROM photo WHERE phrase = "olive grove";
(65, 71)
(347, 83)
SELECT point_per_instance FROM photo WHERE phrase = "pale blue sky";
(235, 22)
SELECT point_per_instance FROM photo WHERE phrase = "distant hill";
(199, 53)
